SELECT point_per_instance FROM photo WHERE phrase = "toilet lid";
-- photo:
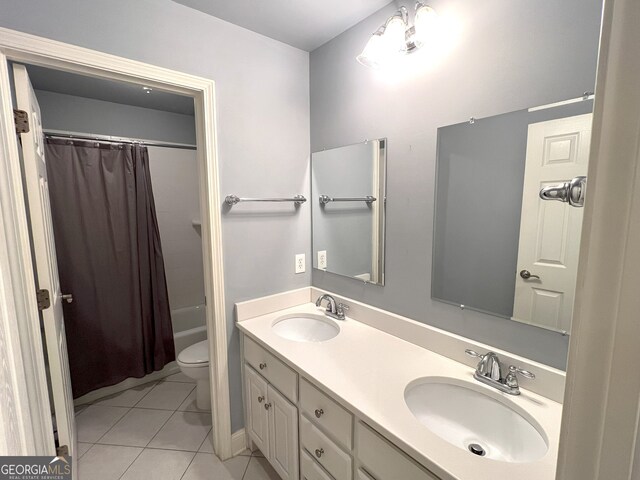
(196, 353)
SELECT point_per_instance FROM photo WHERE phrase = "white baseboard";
(169, 369)
(238, 442)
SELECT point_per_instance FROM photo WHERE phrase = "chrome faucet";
(489, 372)
(334, 309)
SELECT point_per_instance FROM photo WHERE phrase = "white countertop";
(368, 370)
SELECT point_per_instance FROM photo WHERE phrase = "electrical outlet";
(322, 259)
(300, 263)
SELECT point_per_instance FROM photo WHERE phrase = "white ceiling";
(305, 24)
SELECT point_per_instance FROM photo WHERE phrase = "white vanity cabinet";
(308, 435)
(272, 418)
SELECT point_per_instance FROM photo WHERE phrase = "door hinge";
(44, 300)
(62, 451)
(21, 119)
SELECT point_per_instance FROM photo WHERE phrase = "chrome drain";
(477, 449)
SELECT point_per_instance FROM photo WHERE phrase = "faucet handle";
(525, 373)
(511, 380)
(473, 353)
(343, 307)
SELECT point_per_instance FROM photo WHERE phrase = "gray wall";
(87, 115)
(343, 229)
(262, 93)
(479, 239)
(501, 57)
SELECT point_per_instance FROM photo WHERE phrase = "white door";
(557, 151)
(258, 421)
(283, 435)
(45, 261)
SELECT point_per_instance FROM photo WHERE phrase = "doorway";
(23, 48)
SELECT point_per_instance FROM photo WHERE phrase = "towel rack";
(233, 199)
(324, 199)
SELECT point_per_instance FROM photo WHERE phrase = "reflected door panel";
(557, 150)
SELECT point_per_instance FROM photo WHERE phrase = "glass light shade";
(374, 52)
(394, 34)
(425, 23)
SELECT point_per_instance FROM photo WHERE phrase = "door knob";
(67, 297)
(526, 274)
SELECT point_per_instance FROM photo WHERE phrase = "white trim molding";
(238, 442)
(599, 425)
(22, 47)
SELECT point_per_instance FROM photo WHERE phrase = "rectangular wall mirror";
(498, 247)
(348, 194)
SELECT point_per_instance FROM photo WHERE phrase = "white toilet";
(194, 363)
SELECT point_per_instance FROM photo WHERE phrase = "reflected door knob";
(67, 297)
(526, 274)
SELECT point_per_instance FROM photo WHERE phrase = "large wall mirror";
(348, 194)
(498, 247)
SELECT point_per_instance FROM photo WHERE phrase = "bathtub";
(189, 326)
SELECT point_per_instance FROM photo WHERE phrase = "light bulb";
(394, 34)
(426, 23)
(374, 53)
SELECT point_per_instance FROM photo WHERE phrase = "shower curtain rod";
(114, 139)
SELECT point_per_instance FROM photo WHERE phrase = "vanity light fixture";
(397, 37)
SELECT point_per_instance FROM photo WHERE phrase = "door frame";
(21, 337)
(599, 431)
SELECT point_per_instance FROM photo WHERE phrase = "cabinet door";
(283, 435)
(258, 421)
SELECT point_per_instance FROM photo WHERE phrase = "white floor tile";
(83, 448)
(189, 404)
(159, 465)
(207, 445)
(183, 431)
(93, 422)
(179, 377)
(79, 408)
(166, 395)
(126, 398)
(106, 462)
(245, 453)
(206, 466)
(136, 428)
(260, 469)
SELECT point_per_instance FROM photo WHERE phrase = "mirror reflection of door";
(557, 150)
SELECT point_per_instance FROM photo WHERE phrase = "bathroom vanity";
(345, 400)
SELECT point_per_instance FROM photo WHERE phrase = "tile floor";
(155, 431)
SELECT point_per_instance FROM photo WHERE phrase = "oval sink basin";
(306, 328)
(475, 422)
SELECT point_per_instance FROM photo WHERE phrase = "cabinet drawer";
(274, 370)
(383, 460)
(310, 469)
(326, 413)
(362, 475)
(335, 460)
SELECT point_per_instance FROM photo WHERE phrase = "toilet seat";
(196, 355)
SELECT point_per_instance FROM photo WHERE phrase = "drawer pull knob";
(319, 452)
(262, 366)
(319, 412)
(260, 399)
(267, 406)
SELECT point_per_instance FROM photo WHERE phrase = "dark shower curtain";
(110, 259)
